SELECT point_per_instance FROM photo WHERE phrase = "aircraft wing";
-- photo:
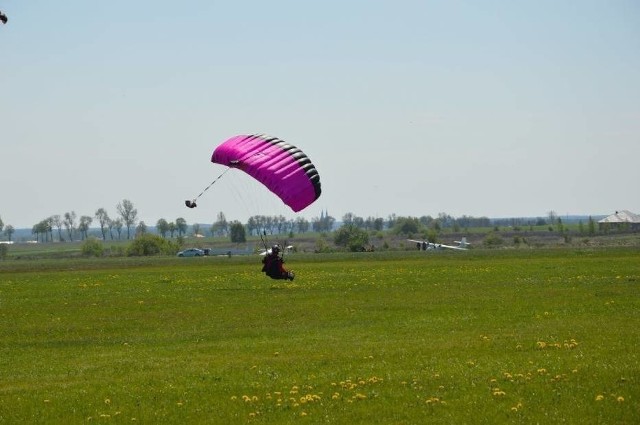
(424, 245)
(459, 248)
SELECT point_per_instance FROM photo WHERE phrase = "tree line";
(70, 227)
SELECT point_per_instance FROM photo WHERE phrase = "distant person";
(273, 265)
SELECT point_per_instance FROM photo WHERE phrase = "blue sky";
(496, 108)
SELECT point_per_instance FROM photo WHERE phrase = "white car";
(191, 252)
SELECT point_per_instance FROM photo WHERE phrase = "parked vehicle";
(191, 252)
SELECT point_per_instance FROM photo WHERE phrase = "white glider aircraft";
(426, 245)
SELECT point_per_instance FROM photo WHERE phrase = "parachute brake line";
(192, 203)
(264, 242)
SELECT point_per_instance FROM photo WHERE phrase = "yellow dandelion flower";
(233, 398)
(599, 397)
(620, 399)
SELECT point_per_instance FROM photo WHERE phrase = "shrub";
(492, 240)
(92, 248)
(149, 244)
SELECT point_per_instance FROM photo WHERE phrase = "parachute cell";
(283, 168)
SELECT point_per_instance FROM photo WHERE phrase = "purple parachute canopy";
(283, 168)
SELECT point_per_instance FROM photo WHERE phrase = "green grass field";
(530, 336)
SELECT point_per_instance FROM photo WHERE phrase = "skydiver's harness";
(272, 266)
(272, 262)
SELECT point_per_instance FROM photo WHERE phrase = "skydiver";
(3, 17)
(273, 265)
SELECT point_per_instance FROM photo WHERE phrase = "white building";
(621, 220)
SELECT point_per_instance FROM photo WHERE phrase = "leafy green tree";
(162, 226)
(237, 232)
(4, 250)
(302, 225)
(181, 226)
(324, 223)
(351, 237)
(407, 226)
(8, 231)
(592, 226)
(42, 230)
(128, 214)
(141, 229)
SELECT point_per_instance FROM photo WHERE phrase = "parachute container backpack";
(281, 167)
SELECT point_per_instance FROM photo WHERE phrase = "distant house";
(624, 220)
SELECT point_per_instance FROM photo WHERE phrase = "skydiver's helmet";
(275, 249)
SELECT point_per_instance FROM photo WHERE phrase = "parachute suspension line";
(263, 238)
(192, 203)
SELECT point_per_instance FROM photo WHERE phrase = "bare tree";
(85, 222)
(129, 215)
(103, 219)
(117, 224)
(70, 223)
(57, 221)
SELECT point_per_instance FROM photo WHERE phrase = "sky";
(406, 107)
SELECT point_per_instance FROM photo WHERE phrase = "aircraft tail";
(463, 243)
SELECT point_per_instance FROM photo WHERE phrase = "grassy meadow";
(518, 336)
